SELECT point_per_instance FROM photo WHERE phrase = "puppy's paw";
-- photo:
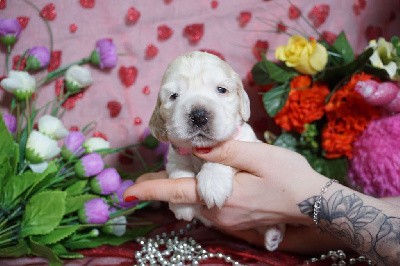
(273, 237)
(184, 211)
(214, 184)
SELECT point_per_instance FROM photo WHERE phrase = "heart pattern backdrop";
(150, 34)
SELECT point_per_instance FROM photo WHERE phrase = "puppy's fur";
(201, 103)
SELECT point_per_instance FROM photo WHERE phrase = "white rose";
(20, 83)
(52, 127)
(116, 226)
(77, 78)
(40, 148)
(96, 143)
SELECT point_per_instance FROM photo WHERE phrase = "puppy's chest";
(197, 163)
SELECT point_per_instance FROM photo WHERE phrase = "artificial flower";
(10, 121)
(383, 56)
(105, 54)
(20, 83)
(305, 104)
(94, 211)
(348, 114)
(306, 56)
(118, 196)
(106, 182)
(375, 94)
(394, 105)
(9, 31)
(116, 226)
(89, 165)
(73, 145)
(52, 127)
(77, 78)
(38, 57)
(40, 148)
(96, 143)
(376, 171)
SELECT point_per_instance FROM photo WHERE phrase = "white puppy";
(201, 103)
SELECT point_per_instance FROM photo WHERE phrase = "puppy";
(201, 103)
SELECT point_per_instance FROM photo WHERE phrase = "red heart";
(356, 9)
(210, 51)
(294, 12)
(22, 64)
(146, 90)
(99, 134)
(114, 108)
(3, 4)
(74, 128)
(373, 32)
(59, 86)
(214, 4)
(132, 15)
(260, 47)
(329, 37)
(280, 27)
(48, 12)
(318, 14)
(23, 21)
(55, 60)
(164, 32)
(73, 28)
(127, 75)
(194, 32)
(137, 121)
(167, 2)
(87, 3)
(70, 102)
(244, 18)
(151, 51)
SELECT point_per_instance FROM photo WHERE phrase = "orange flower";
(305, 104)
(348, 115)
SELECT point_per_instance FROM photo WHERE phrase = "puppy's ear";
(244, 101)
(157, 123)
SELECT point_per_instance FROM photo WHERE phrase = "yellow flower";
(306, 56)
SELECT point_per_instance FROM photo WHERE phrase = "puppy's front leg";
(180, 166)
(214, 183)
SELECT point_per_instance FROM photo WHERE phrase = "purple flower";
(118, 197)
(105, 54)
(38, 57)
(73, 145)
(9, 31)
(107, 182)
(89, 165)
(95, 211)
(10, 121)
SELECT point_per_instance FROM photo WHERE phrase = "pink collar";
(186, 151)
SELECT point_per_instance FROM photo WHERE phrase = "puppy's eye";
(173, 96)
(222, 90)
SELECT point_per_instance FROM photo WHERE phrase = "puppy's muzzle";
(199, 117)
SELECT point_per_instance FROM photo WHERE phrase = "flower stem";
(28, 119)
(7, 59)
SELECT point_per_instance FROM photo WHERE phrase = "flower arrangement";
(328, 103)
(57, 194)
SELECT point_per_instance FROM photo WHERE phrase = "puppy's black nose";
(199, 117)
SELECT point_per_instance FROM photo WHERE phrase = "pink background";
(360, 19)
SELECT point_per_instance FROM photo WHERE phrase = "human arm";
(270, 187)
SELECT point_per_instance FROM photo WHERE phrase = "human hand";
(270, 184)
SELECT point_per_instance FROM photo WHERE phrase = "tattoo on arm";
(365, 229)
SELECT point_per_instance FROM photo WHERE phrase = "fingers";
(181, 190)
(247, 156)
(152, 176)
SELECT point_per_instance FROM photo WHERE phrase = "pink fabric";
(231, 28)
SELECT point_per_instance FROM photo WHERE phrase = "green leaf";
(377, 72)
(57, 234)
(267, 72)
(18, 250)
(62, 252)
(108, 239)
(275, 99)
(7, 141)
(343, 46)
(77, 188)
(9, 155)
(44, 252)
(43, 213)
(286, 140)
(76, 203)
(335, 168)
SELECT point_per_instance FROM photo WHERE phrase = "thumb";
(245, 156)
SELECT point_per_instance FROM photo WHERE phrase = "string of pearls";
(339, 258)
(175, 249)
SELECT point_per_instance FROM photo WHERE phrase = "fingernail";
(130, 198)
(203, 149)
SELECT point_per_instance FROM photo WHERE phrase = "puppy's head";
(201, 102)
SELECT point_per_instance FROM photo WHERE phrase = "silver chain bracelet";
(318, 201)
(339, 258)
(175, 249)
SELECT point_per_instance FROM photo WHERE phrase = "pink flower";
(38, 57)
(11, 122)
(95, 211)
(118, 197)
(73, 145)
(375, 167)
(9, 31)
(89, 165)
(105, 54)
(106, 182)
